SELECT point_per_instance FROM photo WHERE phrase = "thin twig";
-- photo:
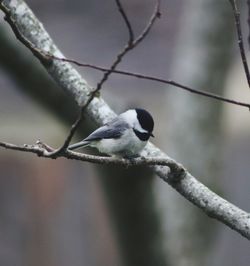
(156, 14)
(248, 22)
(127, 22)
(161, 80)
(72, 131)
(129, 46)
(236, 13)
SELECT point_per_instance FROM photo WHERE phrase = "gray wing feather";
(78, 145)
(112, 130)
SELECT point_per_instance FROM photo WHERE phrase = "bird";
(124, 136)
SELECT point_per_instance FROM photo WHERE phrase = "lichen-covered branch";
(71, 81)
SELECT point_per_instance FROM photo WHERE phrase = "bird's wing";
(112, 130)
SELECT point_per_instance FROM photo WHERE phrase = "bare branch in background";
(161, 80)
(156, 14)
(70, 80)
(127, 22)
(236, 13)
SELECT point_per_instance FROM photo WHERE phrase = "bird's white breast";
(128, 145)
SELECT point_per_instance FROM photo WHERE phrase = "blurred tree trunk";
(136, 220)
(32, 79)
(193, 122)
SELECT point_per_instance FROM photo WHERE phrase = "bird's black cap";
(146, 120)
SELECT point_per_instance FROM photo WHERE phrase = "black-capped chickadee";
(124, 136)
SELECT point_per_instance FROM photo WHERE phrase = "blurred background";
(61, 212)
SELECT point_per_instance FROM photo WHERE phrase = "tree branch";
(43, 150)
(70, 80)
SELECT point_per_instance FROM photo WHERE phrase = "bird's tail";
(78, 145)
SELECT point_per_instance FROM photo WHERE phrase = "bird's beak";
(151, 134)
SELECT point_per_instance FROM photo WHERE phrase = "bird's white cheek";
(139, 128)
